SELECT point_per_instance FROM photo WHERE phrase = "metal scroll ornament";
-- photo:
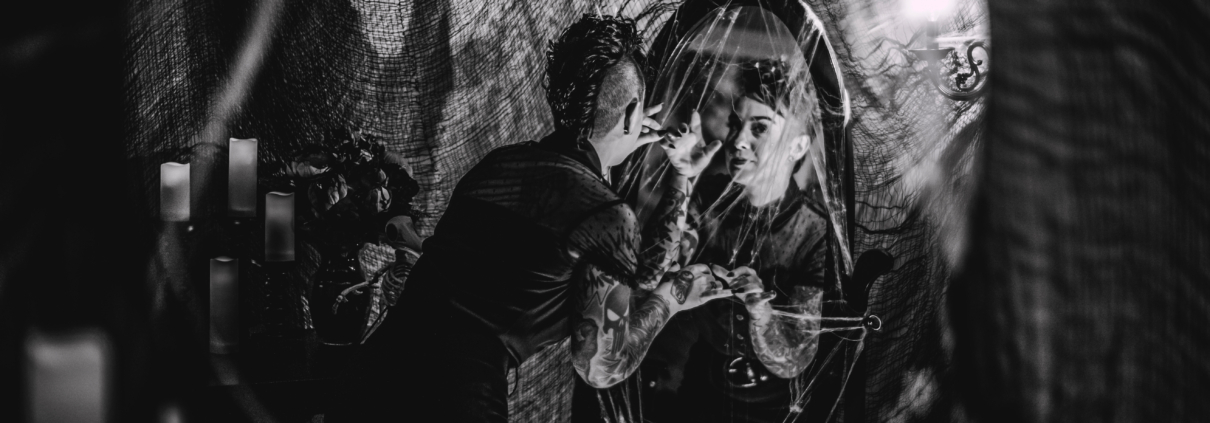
(957, 76)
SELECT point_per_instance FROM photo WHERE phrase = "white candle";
(279, 226)
(174, 192)
(241, 178)
(171, 414)
(67, 376)
(224, 305)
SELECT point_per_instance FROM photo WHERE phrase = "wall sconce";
(956, 76)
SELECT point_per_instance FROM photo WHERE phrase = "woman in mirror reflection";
(740, 360)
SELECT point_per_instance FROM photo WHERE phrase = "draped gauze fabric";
(442, 83)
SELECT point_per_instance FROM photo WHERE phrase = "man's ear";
(631, 116)
(799, 147)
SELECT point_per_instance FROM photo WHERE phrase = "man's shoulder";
(532, 155)
(512, 151)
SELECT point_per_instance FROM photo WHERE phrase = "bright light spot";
(927, 9)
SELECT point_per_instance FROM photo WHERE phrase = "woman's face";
(754, 143)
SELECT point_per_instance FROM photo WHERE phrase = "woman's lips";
(740, 162)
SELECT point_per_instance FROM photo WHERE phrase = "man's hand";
(650, 131)
(748, 287)
(691, 287)
(686, 151)
(689, 242)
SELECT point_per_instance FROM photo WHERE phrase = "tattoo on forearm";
(645, 324)
(649, 319)
(584, 342)
(787, 346)
(681, 286)
(662, 236)
(617, 318)
(624, 340)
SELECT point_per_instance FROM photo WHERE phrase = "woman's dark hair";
(768, 82)
(765, 81)
(585, 86)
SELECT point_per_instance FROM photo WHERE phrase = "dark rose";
(327, 192)
(304, 169)
(377, 200)
(402, 184)
(318, 160)
(374, 178)
(363, 156)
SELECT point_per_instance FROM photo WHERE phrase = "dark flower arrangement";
(352, 186)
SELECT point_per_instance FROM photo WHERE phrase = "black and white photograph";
(604, 211)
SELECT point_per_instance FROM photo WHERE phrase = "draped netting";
(442, 83)
(913, 153)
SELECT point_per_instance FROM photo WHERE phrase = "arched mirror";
(760, 77)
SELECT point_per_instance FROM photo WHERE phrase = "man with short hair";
(535, 245)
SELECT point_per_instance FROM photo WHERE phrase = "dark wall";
(71, 238)
(1084, 296)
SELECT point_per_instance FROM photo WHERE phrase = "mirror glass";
(771, 201)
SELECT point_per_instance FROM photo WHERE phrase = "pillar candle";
(174, 192)
(171, 414)
(67, 376)
(224, 305)
(279, 226)
(241, 178)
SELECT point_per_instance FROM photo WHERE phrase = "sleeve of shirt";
(815, 258)
(609, 239)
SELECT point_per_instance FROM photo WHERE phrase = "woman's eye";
(759, 129)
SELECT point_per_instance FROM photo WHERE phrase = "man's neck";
(568, 144)
(604, 147)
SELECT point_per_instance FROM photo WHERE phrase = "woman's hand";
(748, 286)
(691, 287)
(685, 149)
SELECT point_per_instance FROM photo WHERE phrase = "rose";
(373, 178)
(377, 200)
(304, 170)
(327, 192)
(363, 156)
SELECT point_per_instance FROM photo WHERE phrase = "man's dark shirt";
(494, 285)
(518, 226)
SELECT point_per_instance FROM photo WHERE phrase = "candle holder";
(282, 300)
(241, 177)
(279, 226)
(957, 77)
(174, 192)
(224, 305)
(340, 270)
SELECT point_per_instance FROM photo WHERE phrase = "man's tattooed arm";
(786, 345)
(615, 325)
(614, 328)
(661, 239)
